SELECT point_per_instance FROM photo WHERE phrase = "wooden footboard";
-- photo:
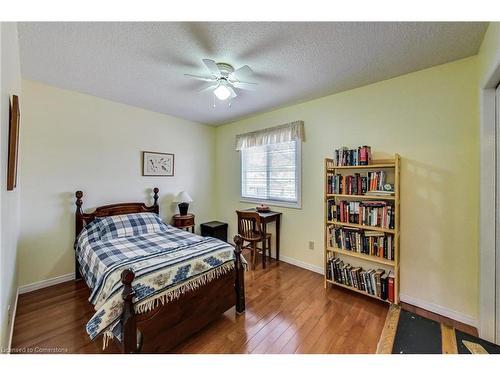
(163, 328)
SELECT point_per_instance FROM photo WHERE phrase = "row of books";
(375, 282)
(372, 243)
(347, 157)
(371, 213)
(356, 184)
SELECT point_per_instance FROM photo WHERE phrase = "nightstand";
(214, 229)
(183, 221)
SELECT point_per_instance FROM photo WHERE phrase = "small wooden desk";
(269, 217)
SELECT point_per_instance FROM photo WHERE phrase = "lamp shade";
(183, 197)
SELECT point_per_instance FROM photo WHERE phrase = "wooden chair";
(250, 229)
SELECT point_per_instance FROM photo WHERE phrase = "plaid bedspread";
(166, 261)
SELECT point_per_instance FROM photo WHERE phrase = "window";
(271, 174)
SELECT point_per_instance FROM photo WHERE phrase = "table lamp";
(183, 199)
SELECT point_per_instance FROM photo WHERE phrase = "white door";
(497, 256)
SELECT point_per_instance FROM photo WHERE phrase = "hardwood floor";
(288, 311)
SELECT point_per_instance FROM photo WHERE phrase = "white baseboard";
(45, 283)
(301, 264)
(12, 321)
(444, 311)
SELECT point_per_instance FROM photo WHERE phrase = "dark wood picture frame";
(14, 116)
(157, 153)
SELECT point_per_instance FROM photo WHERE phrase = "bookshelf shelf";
(355, 254)
(357, 290)
(365, 227)
(391, 167)
(352, 196)
(377, 165)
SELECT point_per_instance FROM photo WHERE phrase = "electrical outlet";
(311, 245)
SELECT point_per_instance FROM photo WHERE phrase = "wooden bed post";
(239, 284)
(155, 204)
(78, 227)
(130, 344)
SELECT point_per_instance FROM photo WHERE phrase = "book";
(381, 193)
(390, 288)
(369, 213)
(361, 241)
(378, 286)
(352, 157)
(372, 183)
(383, 287)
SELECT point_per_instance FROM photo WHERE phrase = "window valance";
(278, 134)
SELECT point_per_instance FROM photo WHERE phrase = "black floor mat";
(488, 346)
(417, 335)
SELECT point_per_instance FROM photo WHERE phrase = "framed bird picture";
(157, 164)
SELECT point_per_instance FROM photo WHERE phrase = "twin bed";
(152, 285)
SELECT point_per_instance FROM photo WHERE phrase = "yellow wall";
(430, 117)
(72, 141)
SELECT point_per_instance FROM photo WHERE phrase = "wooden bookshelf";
(392, 166)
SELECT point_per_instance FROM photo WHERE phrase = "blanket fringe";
(173, 294)
(108, 335)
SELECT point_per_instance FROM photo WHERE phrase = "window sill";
(297, 205)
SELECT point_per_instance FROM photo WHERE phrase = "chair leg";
(254, 255)
(269, 248)
(264, 253)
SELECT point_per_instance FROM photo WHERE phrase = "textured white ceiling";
(142, 64)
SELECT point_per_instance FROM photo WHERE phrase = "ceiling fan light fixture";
(222, 92)
(224, 80)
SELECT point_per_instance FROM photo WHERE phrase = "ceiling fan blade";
(207, 88)
(245, 85)
(203, 78)
(211, 66)
(233, 93)
(241, 73)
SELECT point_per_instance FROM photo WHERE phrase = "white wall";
(71, 141)
(9, 200)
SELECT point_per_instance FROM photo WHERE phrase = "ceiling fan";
(225, 79)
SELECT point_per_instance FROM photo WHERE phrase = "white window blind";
(271, 173)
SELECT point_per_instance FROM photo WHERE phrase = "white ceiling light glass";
(222, 92)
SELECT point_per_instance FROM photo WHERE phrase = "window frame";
(274, 202)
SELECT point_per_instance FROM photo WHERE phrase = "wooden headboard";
(82, 219)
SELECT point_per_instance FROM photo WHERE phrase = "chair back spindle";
(249, 225)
